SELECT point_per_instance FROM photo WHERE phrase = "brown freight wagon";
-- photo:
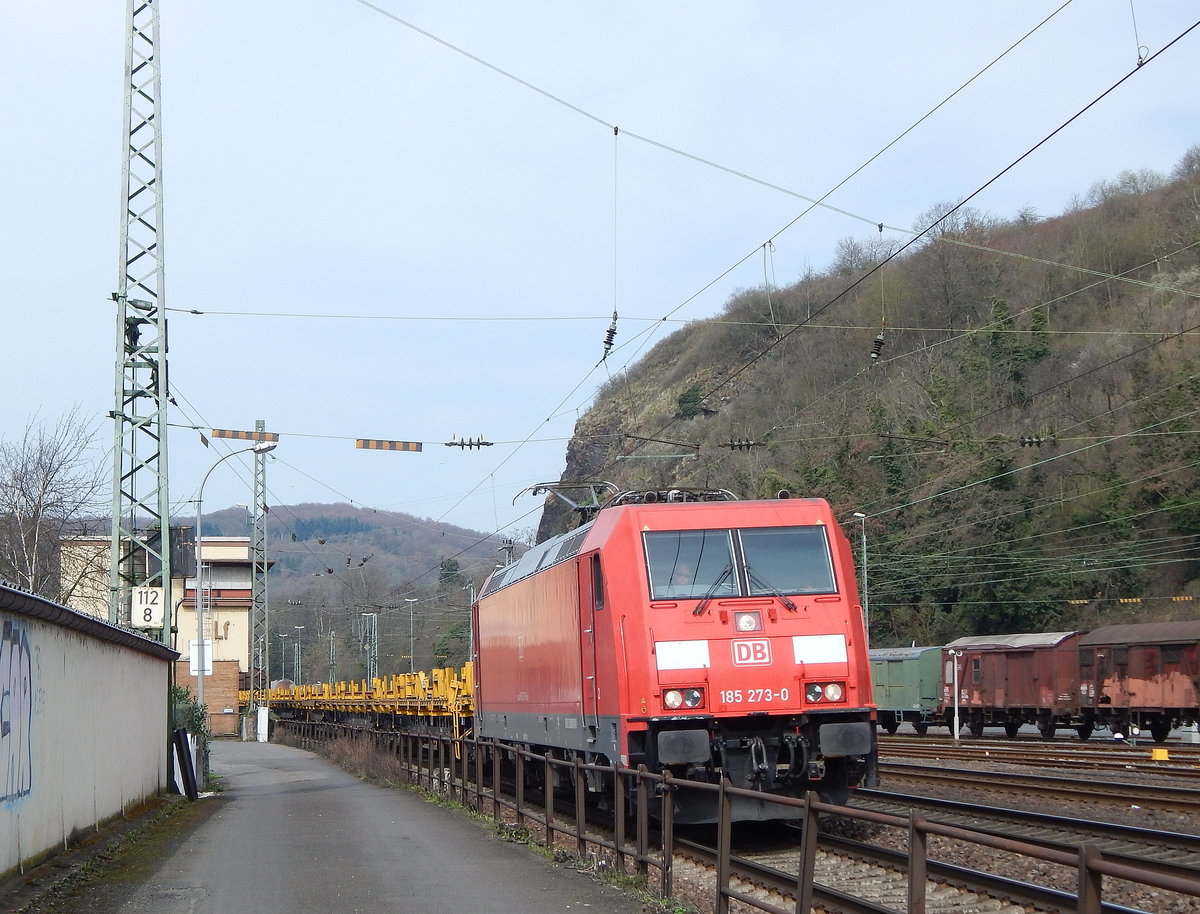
(1010, 680)
(1140, 677)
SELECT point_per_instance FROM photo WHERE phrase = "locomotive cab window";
(759, 561)
(792, 560)
(689, 564)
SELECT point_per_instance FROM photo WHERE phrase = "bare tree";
(52, 488)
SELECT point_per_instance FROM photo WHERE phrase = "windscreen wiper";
(707, 598)
(771, 589)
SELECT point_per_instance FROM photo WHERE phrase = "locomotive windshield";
(759, 561)
(689, 564)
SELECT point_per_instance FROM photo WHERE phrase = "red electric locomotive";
(692, 633)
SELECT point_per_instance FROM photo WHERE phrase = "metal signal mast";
(140, 550)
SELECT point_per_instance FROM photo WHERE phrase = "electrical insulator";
(877, 347)
(1031, 440)
(610, 336)
(468, 443)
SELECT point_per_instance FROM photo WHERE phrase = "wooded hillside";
(1012, 403)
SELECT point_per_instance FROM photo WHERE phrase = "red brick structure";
(220, 694)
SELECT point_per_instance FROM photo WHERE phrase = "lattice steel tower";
(260, 647)
(140, 551)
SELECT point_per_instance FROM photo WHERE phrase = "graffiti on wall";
(16, 712)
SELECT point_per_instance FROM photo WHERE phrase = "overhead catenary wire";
(527, 439)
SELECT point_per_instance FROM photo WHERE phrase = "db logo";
(751, 653)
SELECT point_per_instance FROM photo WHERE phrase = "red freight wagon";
(1138, 677)
(1010, 680)
(708, 638)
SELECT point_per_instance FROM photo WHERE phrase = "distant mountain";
(333, 563)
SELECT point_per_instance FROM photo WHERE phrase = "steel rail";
(1160, 796)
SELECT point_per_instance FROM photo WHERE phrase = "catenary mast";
(140, 565)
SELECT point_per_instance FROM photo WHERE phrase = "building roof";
(1027, 640)
(21, 603)
(1145, 632)
(899, 653)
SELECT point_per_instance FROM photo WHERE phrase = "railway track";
(855, 877)
(1169, 797)
(1171, 852)
(1181, 760)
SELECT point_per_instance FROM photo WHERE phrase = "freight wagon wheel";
(1160, 730)
(921, 728)
(1047, 729)
(1011, 728)
(1085, 731)
(891, 726)
(975, 726)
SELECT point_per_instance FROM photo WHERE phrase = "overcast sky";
(412, 220)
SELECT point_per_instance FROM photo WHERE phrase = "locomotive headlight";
(673, 699)
(747, 621)
(834, 691)
(814, 691)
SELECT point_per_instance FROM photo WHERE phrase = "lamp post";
(370, 631)
(866, 594)
(411, 659)
(954, 655)
(260, 447)
(282, 655)
(296, 665)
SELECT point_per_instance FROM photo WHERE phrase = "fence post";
(441, 766)
(548, 793)
(477, 750)
(643, 822)
(581, 795)
(667, 831)
(1089, 880)
(619, 816)
(808, 859)
(495, 781)
(520, 786)
(918, 850)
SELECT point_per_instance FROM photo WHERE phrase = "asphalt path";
(294, 833)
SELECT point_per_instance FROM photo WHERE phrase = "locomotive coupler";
(758, 761)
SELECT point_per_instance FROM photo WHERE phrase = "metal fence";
(454, 768)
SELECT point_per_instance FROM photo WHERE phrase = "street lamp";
(411, 659)
(370, 637)
(866, 596)
(282, 655)
(299, 677)
(260, 447)
(954, 655)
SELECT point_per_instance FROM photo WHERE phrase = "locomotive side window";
(689, 564)
(597, 583)
(788, 560)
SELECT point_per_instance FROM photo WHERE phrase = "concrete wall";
(83, 725)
